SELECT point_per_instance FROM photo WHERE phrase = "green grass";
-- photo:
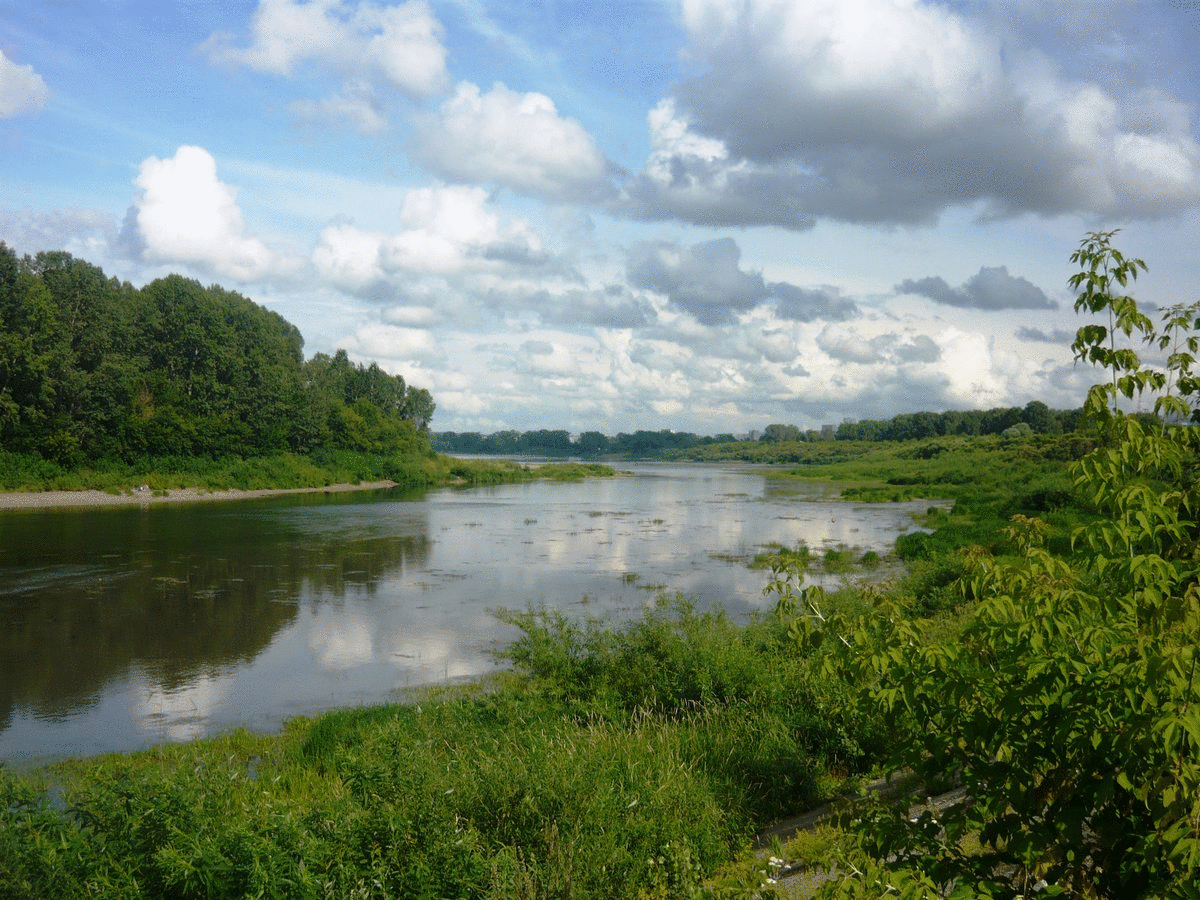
(25, 472)
(493, 471)
(617, 761)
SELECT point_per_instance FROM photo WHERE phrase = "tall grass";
(618, 760)
(623, 761)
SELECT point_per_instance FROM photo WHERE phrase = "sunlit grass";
(615, 759)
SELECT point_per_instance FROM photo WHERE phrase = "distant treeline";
(1036, 415)
(1034, 418)
(559, 443)
(95, 369)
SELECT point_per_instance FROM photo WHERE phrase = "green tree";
(33, 358)
(593, 443)
(912, 426)
(778, 434)
(418, 407)
(1069, 708)
(1037, 415)
(92, 368)
(95, 317)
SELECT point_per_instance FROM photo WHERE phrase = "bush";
(1068, 707)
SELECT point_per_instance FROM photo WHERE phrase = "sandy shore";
(144, 497)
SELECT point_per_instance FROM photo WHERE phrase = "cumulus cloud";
(676, 368)
(692, 178)
(349, 257)
(364, 43)
(514, 139)
(809, 304)
(848, 345)
(920, 348)
(772, 344)
(450, 226)
(892, 111)
(183, 213)
(611, 306)
(1057, 336)
(705, 280)
(451, 232)
(876, 376)
(991, 288)
(21, 88)
(398, 348)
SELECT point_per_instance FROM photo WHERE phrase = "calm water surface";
(125, 627)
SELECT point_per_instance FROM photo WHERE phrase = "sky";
(697, 215)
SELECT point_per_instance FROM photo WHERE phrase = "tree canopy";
(93, 368)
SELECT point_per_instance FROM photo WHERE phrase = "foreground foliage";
(626, 762)
(1068, 709)
(1053, 678)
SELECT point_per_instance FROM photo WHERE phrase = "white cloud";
(184, 214)
(84, 232)
(21, 88)
(982, 374)
(400, 43)
(397, 347)
(514, 139)
(452, 229)
(364, 43)
(892, 111)
(348, 257)
(452, 226)
(356, 107)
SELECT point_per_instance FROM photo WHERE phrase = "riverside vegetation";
(1039, 650)
(106, 386)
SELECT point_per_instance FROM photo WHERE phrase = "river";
(123, 627)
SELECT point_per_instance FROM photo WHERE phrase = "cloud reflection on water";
(245, 614)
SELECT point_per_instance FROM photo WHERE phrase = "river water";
(122, 627)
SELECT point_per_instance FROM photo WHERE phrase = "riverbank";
(644, 772)
(146, 497)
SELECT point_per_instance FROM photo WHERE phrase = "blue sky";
(698, 215)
